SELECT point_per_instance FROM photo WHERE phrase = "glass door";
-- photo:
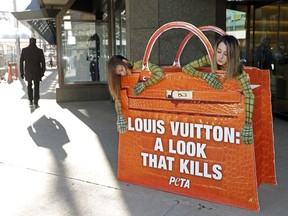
(262, 29)
(120, 29)
(270, 50)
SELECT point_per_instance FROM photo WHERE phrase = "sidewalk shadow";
(49, 133)
(100, 117)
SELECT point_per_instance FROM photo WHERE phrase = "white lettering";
(198, 130)
(158, 162)
(208, 129)
(217, 133)
(146, 125)
(217, 171)
(179, 182)
(174, 128)
(229, 135)
(158, 145)
(190, 148)
(200, 169)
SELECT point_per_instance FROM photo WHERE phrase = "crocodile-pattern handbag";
(184, 136)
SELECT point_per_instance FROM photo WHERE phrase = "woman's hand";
(121, 124)
(247, 134)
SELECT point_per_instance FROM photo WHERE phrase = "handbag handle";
(173, 25)
(190, 35)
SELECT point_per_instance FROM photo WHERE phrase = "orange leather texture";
(263, 124)
(206, 159)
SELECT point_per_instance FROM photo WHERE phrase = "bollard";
(10, 79)
(13, 66)
(13, 70)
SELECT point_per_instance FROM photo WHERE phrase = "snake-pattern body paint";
(210, 78)
(247, 131)
(248, 94)
(157, 75)
(201, 62)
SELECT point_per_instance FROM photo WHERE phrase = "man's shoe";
(30, 103)
(36, 105)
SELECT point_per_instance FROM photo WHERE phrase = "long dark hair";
(234, 66)
(112, 78)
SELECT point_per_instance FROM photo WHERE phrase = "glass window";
(236, 25)
(120, 32)
(271, 50)
(84, 48)
(266, 42)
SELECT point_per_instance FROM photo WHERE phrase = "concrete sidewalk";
(61, 159)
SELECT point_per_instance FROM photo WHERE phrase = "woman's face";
(121, 70)
(221, 54)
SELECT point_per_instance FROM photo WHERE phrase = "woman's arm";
(201, 62)
(247, 132)
(157, 75)
(210, 78)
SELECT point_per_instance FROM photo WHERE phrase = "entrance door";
(270, 50)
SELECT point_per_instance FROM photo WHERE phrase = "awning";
(41, 20)
(40, 15)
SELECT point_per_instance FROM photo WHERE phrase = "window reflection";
(84, 48)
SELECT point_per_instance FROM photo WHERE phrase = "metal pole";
(16, 35)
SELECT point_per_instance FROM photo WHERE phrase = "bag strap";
(190, 35)
(175, 25)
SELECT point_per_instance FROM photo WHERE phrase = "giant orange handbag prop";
(184, 136)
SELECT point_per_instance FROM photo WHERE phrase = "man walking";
(32, 66)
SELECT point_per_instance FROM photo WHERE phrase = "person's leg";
(30, 92)
(93, 76)
(36, 92)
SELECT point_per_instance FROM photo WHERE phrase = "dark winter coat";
(32, 63)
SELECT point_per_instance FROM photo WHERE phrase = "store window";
(271, 52)
(120, 31)
(84, 52)
(262, 30)
(236, 25)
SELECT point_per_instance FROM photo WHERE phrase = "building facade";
(88, 32)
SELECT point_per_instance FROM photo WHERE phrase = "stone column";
(145, 16)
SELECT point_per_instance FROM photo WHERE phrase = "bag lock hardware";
(179, 94)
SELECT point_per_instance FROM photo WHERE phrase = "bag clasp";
(179, 94)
